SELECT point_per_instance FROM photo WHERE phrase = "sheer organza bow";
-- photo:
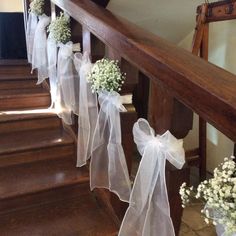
(108, 168)
(39, 55)
(30, 32)
(88, 109)
(52, 68)
(149, 212)
(68, 90)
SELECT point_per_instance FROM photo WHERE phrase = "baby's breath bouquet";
(106, 76)
(59, 29)
(36, 7)
(219, 193)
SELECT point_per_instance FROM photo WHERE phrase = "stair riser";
(9, 72)
(17, 103)
(57, 152)
(23, 125)
(18, 84)
(43, 198)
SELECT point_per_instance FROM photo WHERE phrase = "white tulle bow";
(39, 55)
(68, 91)
(88, 109)
(30, 32)
(149, 212)
(108, 168)
(52, 68)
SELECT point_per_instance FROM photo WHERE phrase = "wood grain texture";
(11, 99)
(205, 88)
(39, 176)
(21, 122)
(80, 216)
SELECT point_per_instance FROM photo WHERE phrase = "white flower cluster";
(59, 29)
(219, 193)
(36, 7)
(106, 75)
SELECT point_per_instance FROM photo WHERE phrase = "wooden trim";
(220, 11)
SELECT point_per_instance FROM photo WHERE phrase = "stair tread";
(28, 140)
(82, 217)
(38, 91)
(26, 114)
(40, 176)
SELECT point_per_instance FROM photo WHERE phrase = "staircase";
(41, 190)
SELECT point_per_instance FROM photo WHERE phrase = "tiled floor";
(193, 223)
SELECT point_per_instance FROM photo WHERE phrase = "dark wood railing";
(206, 89)
(174, 74)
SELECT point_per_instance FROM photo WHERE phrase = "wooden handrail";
(205, 88)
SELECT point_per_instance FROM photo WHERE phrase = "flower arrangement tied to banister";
(62, 75)
(219, 195)
(108, 168)
(59, 29)
(36, 9)
(106, 76)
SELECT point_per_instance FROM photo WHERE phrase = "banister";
(205, 88)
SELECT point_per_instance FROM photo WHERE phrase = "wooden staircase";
(41, 190)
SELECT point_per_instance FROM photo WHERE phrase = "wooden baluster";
(92, 45)
(200, 47)
(127, 121)
(141, 95)
(202, 122)
(160, 114)
(86, 41)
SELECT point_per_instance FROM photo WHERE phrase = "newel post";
(163, 113)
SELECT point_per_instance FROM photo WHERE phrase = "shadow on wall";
(12, 36)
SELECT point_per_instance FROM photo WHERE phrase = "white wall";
(222, 52)
(170, 19)
(11, 6)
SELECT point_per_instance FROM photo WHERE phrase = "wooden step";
(13, 62)
(12, 99)
(28, 120)
(18, 84)
(76, 217)
(32, 146)
(14, 72)
(40, 182)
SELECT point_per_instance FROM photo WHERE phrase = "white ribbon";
(108, 168)
(88, 110)
(52, 68)
(30, 32)
(39, 55)
(68, 92)
(149, 212)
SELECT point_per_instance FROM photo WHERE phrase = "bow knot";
(108, 99)
(156, 142)
(43, 22)
(66, 50)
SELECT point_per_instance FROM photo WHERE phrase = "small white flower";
(36, 7)
(59, 29)
(219, 194)
(106, 75)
